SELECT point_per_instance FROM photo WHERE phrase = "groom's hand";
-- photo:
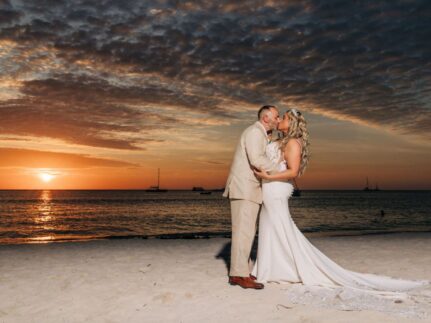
(261, 174)
(254, 168)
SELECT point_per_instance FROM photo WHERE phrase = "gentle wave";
(45, 216)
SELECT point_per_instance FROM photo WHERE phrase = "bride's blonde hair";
(297, 130)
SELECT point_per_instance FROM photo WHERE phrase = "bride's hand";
(261, 173)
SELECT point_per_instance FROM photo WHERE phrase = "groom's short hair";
(264, 109)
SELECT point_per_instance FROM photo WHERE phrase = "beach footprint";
(145, 269)
(164, 298)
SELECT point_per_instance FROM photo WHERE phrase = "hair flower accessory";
(295, 112)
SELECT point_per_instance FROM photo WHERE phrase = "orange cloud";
(13, 157)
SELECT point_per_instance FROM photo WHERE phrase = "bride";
(284, 254)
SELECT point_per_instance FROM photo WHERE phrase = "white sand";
(157, 280)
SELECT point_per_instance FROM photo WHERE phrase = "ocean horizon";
(40, 216)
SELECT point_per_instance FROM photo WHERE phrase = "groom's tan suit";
(244, 190)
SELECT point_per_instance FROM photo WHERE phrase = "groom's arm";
(255, 147)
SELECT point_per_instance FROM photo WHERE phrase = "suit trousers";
(244, 221)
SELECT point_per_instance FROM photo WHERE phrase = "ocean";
(40, 216)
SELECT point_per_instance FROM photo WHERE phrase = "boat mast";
(158, 177)
(367, 188)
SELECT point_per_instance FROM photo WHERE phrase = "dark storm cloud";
(368, 62)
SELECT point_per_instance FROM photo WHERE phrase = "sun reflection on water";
(45, 217)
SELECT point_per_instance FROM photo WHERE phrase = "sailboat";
(157, 189)
(367, 188)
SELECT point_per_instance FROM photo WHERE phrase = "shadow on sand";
(224, 253)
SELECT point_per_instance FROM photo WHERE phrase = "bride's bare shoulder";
(293, 143)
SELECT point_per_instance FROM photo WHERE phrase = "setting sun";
(46, 177)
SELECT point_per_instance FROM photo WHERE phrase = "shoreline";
(213, 235)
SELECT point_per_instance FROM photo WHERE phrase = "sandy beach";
(180, 280)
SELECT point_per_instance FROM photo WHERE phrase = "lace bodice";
(273, 152)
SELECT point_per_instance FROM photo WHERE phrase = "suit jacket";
(241, 182)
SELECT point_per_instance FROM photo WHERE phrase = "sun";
(46, 177)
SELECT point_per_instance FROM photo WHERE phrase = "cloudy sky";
(99, 94)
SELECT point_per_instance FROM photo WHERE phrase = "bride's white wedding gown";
(285, 255)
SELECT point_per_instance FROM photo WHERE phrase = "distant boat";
(201, 190)
(368, 189)
(296, 191)
(157, 189)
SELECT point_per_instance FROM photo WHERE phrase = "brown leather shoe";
(253, 277)
(244, 282)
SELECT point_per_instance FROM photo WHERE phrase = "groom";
(244, 191)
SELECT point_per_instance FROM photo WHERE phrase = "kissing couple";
(260, 181)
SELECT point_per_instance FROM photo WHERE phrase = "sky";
(99, 94)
